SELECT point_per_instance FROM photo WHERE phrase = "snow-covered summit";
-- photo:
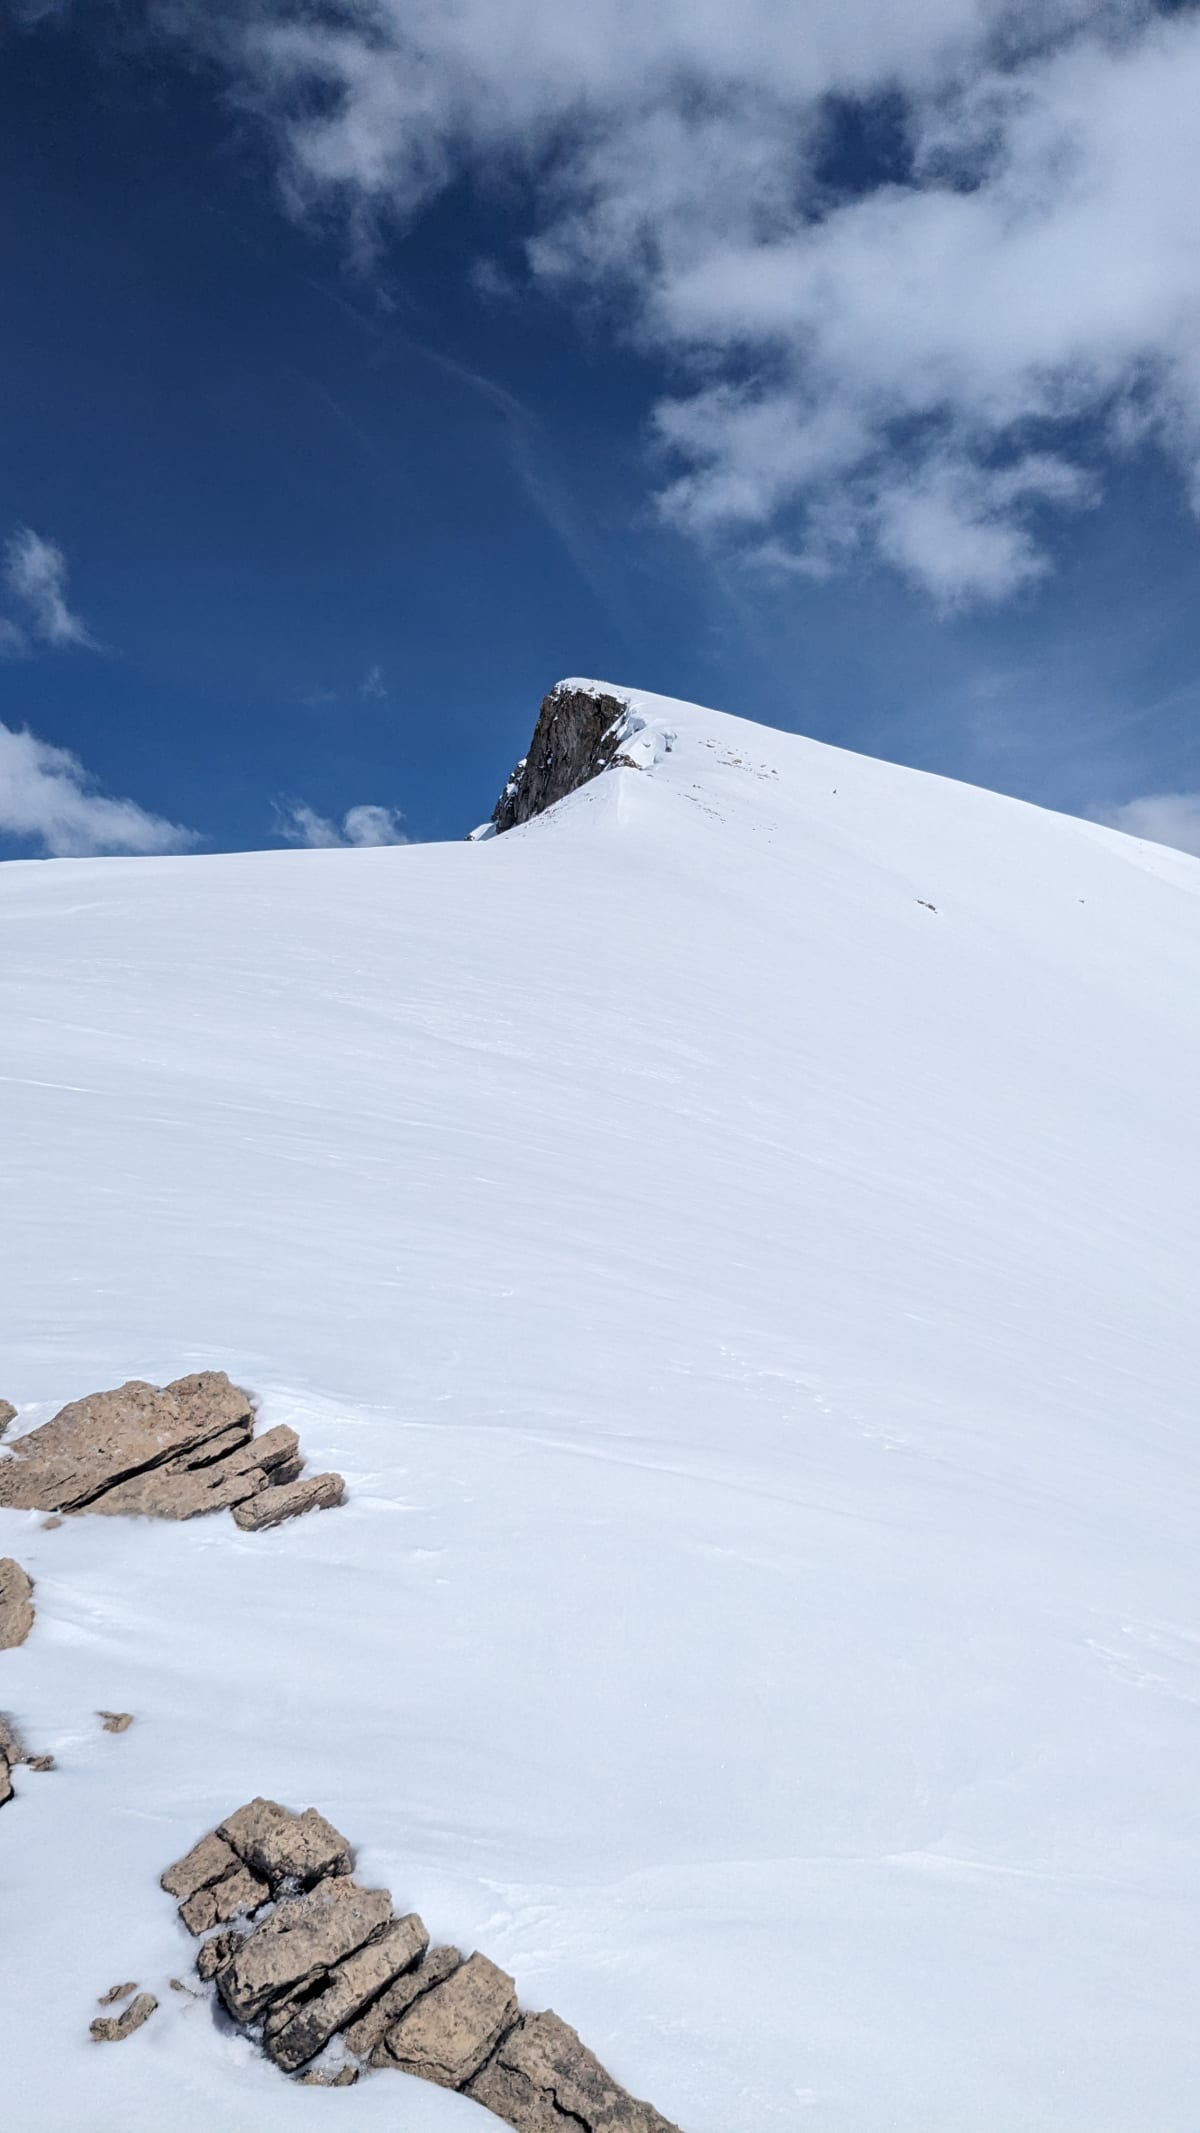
(736, 1233)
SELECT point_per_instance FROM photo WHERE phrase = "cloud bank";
(359, 826)
(919, 272)
(47, 798)
(1161, 817)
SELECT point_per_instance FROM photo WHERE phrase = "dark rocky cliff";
(576, 737)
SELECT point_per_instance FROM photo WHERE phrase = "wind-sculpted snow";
(737, 1235)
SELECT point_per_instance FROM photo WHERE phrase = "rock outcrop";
(16, 1604)
(177, 1452)
(577, 735)
(8, 1413)
(331, 1978)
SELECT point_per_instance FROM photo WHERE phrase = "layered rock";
(578, 734)
(8, 1413)
(16, 1604)
(175, 1452)
(330, 1970)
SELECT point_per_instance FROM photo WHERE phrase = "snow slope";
(755, 1312)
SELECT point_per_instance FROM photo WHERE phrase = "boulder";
(318, 1492)
(16, 1604)
(303, 1937)
(354, 1982)
(115, 1993)
(211, 1477)
(451, 2031)
(8, 1413)
(113, 2029)
(115, 1721)
(542, 2079)
(366, 2035)
(287, 1849)
(97, 1443)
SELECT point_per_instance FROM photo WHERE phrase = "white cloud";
(371, 688)
(14, 644)
(47, 798)
(875, 370)
(35, 572)
(1162, 817)
(360, 826)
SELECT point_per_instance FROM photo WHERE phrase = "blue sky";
(365, 369)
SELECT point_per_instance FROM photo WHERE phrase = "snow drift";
(737, 1235)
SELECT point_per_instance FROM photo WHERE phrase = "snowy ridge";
(737, 1236)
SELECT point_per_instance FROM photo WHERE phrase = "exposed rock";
(351, 1985)
(12, 1752)
(6, 1783)
(344, 2078)
(115, 1721)
(303, 1937)
(285, 1848)
(451, 2031)
(8, 1413)
(236, 1897)
(41, 1762)
(367, 2034)
(96, 1443)
(320, 1492)
(113, 2029)
(16, 1604)
(576, 737)
(115, 1993)
(51, 1525)
(543, 2080)
(216, 1952)
(213, 1477)
(12, 1747)
(206, 1863)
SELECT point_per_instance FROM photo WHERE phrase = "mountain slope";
(737, 1235)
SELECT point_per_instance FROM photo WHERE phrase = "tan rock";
(318, 1492)
(285, 1847)
(115, 1993)
(12, 1746)
(206, 1863)
(106, 1439)
(543, 2080)
(366, 2035)
(304, 1936)
(51, 1525)
(16, 1604)
(6, 1783)
(236, 1897)
(216, 1952)
(8, 1413)
(351, 1985)
(115, 1721)
(213, 1477)
(343, 2078)
(451, 2031)
(112, 2029)
(41, 1762)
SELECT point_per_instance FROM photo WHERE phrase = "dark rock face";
(576, 737)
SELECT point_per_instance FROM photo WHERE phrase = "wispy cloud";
(371, 688)
(1162, 817)
(48, 799)
(359, 827)
(35, 574)
(872, 364)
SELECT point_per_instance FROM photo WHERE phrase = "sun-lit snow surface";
(756, 1314)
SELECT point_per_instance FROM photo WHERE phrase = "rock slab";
(292, 2042)
(94, 1444)
(447, 2036)
(543, 2080)
(16, 1604)
(318, 1492)
(303, 1937)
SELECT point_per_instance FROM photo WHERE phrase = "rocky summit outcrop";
(333, 1982)
(16, 1604)
(578, 734)
(175, 1452)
